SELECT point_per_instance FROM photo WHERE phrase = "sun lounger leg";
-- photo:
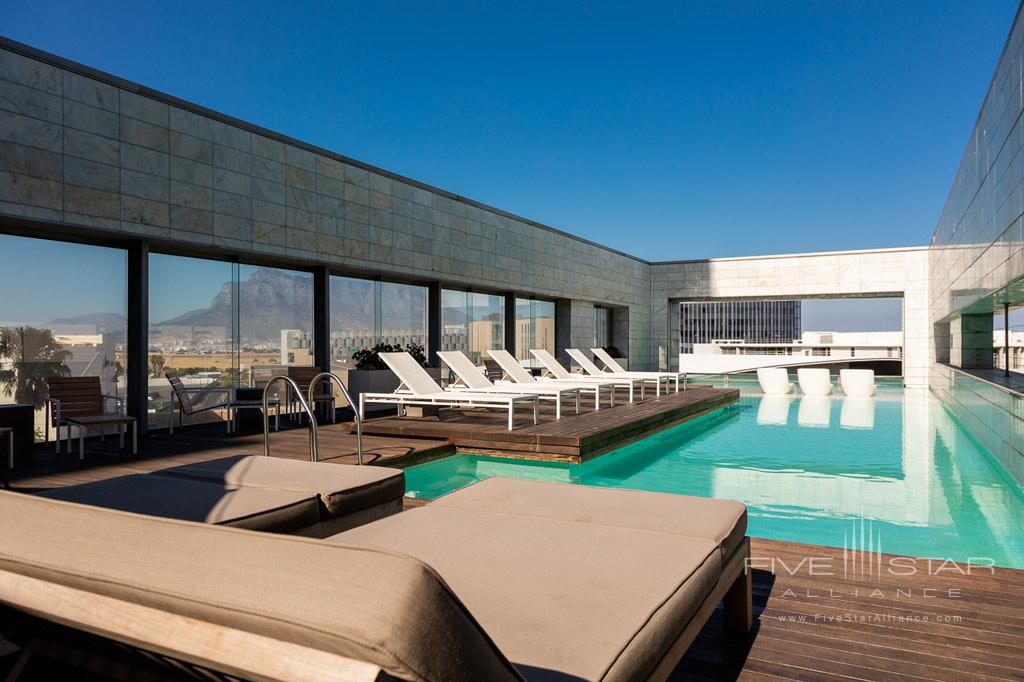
(738, 605)
(536, 405)
(81, 443)
(558, 406)
(120, 436)
(577, 401)
(511, 408)
(135, 438)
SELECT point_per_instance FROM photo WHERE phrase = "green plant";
(34, 355)
(369, 358)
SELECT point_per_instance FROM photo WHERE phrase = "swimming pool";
(810, 470)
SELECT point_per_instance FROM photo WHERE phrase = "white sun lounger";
(418, 388)
(593, 370)
(470, 378)
(561, 373)
(516, 373)
(615, 368)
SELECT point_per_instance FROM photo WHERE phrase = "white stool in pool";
(815, 411)
(814, 381)
(774, 380)
(857, 413)
(774, 410)
(857, 383)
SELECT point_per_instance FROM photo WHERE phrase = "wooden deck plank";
(209, 441)
(573, 438)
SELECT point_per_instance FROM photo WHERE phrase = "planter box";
(359, 381)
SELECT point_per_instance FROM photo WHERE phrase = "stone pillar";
(574, 327)
(970, 341)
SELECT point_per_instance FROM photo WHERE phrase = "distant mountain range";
(272, 300)
(104, 322)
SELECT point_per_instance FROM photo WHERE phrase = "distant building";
(751, 321)
(296, 347)
(816, 345)
(1016, 350)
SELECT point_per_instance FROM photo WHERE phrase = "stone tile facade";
(80, 149)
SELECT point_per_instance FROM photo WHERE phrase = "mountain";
(104, 322)
(271, 300)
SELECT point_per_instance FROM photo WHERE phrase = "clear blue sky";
(680, 130)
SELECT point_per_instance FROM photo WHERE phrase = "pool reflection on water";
(809, 469)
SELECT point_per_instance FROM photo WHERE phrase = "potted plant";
(371, 375)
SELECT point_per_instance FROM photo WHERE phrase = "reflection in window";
(602, 327)
(535, 327)
(192, 330)
(67, 319)
(365, 313)
(275, 321)
(472, 322)
(219, 324)
(403, 314)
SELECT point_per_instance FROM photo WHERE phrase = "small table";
(21, 419)
(120, 421)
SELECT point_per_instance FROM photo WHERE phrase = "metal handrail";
(314, 449)
(358, 419)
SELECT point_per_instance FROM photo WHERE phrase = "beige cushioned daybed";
(502, 580)
(257, 493)
(577, 582)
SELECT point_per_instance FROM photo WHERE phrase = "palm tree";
(30, 355)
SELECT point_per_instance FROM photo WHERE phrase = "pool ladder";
(314, 448)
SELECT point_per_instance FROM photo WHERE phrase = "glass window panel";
(601, 327)
(192, 331)
(455, 317)
(535, 328)
(472, 322)
(354, 323)
(275, 319)
(403, 314)
(487, 325)
(544, 325)
(72, 324)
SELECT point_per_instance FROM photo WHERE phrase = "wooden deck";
(940, 623)
(937, 624)
(573, 438)
(205, 442)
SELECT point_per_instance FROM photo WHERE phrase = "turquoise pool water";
(809, 469)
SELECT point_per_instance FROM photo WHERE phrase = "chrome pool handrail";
(314, 449)
(344, 391)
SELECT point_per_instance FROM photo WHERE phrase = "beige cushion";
(374, 606)
(561, 600)
(343, 488)
(276, 511)
(722, 521)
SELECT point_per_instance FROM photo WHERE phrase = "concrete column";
(433, 323)
(137, 373)
(970, 341)
(510, 323)
(574, 326)
(322, 318)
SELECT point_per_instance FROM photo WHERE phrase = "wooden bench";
(80, 402)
